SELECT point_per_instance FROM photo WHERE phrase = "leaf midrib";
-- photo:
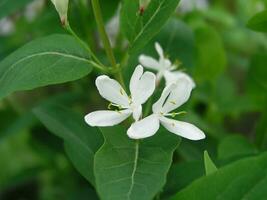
(42, 54)
(134, 169)
(148, 22)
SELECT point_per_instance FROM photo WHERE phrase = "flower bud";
(143, 5)
(62, 9)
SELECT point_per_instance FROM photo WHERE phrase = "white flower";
(142, 86)
(62, 9)
(173, 96)
(164, 67)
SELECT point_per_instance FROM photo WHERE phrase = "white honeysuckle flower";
(62, 9)
(172, 97)
(164, 67)
(142, 86)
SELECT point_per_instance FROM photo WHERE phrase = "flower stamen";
(174, 114)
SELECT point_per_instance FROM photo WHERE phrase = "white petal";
(183, 129)
(149, 62)
(106, 117)
(137, 112)
(178, 96)
(142, 86)
(171, 77)
(157, 107)
(112, 91)
(144, 128)
(159, 50)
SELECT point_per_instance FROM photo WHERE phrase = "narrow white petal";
(157, 107)
(159, 50)
(178, 96)
(138, 72)
(142, 87)
(137, 112)
(182, 129)
(106, 117)
(149, 62)
(112, 91)
(144, 128)
(171, 77)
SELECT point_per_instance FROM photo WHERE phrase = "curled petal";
(172, 77)
(183, 129)
(157, 107)
(178, 96)
(142, 86)
(149, 62)
(112, 91)
(106, 117)
(144, 128)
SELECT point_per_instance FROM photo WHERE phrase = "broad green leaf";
(139, 27)
(180, 175)
(81, 141)
(130, 169)
(7, 7)
(258, 22)
(244, 179)
(49, 60)
(235, 146)
(211, 57)
(210, 167)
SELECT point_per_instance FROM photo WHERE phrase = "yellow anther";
(173, 102)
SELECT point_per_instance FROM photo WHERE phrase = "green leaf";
(49, 60)
(180, 175)
(244, 179)
(80, 140)
(140, 28)
(235, 146)
(130, 169)
(179, 33)
(210, 167)
(7, 7)
(258, 22)
(211, 57)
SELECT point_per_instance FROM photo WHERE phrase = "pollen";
(173, 102)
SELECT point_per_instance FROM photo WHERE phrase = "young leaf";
(140, 26)
(244, 179)
(7, 7)
(210, 167)
(49, 60)
(81, 141)
(131, 169)
(258, 22)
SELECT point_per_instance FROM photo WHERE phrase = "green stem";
(102, 32)
(69, 29)
(105, 40)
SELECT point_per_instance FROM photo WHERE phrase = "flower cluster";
(142, 85)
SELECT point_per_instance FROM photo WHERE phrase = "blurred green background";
(227, 60)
